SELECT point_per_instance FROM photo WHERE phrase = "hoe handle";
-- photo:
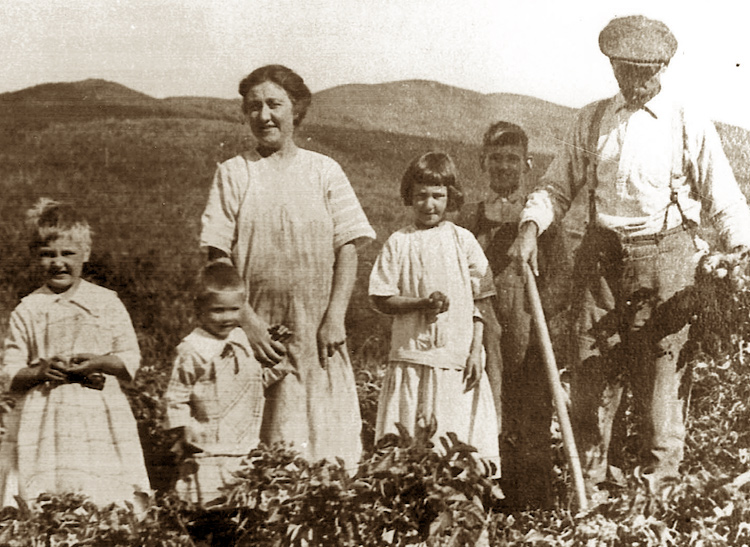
(558, 395)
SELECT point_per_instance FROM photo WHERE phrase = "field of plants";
(144, 182)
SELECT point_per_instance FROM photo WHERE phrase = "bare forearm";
(25, 379)
(344, 276)
(396, 305)
(476, 340)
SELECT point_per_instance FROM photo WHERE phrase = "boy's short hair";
(49, 220)
(215, 277)
(506, 133)
(433, 169)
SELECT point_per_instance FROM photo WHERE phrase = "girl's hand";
(53, 370)
(38, 372)
(267, 351)
(331, 338)
(86, 364)
(473, 371)
(438, 302)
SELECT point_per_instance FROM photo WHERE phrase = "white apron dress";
(283, 228)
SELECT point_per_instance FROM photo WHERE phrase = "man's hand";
(524, 248)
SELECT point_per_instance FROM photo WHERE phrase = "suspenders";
(591, 158)
(679, 145)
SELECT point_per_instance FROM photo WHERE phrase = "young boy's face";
(220, 313)
(61, 261)
(505, 164)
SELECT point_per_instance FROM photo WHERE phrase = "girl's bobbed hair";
(216, 277)
(433, 169)
(287, 79)
(49, 220)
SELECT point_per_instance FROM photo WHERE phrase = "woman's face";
(270, 112)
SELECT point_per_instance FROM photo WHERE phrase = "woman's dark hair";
(433, 169)
(288, 80)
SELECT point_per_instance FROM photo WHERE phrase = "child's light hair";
(49, 220)
(216, 277)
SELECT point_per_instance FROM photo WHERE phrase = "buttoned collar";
(209, 346)
(86, 296)
(656, 107)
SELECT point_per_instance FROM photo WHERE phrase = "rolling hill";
(430, 109)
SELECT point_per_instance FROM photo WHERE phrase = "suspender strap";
(679, 145)
(591, 158)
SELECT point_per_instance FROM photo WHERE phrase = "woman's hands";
(331, 338)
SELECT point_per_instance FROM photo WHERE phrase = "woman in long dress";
(289, 221)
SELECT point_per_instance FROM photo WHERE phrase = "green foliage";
(404, 493)
(144, 182)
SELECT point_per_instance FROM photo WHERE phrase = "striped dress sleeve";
(219, 219)
(349, 221)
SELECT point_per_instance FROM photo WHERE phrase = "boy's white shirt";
(208, 346)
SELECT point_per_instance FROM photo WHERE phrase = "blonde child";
(215, 394)
(428, 276)
(70, 344)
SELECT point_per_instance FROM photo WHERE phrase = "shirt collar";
(656, 107)
(86, 296)
(209, 346)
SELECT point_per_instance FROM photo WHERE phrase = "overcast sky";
(543, 48)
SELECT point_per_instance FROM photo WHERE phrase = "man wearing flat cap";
(652, 170)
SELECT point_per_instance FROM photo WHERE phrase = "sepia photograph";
(387, 273)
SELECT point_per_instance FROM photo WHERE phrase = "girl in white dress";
(430, 276)
(69, 345)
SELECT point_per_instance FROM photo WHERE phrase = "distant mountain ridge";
(432, 109)
(412, 107)
(92, 90)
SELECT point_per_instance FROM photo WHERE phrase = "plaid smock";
(71, 438)
(216, 389)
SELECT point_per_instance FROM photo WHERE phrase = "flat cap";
(637, 39)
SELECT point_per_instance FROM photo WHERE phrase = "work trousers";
(525, 438)
(621, 287)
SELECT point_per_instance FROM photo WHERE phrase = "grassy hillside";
(440, 111)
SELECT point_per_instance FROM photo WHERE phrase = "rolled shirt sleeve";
(564, 178)
(723, 203)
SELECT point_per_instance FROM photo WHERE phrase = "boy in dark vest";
(514, 361)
